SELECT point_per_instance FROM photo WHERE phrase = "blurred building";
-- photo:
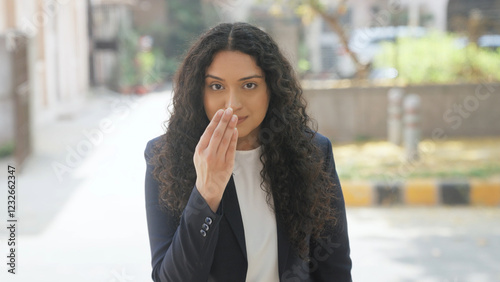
(56, 33)
(51, 51)
(53, 37)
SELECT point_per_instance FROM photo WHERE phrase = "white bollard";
(412, 126)
(394, 120)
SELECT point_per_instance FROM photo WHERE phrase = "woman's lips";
(241, 119)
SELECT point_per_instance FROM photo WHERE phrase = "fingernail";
(234, 118)
(229, 111)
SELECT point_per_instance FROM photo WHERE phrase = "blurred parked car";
(490, 41)
(383, 73)
(366, 43)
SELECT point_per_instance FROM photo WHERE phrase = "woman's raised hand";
(214, 156)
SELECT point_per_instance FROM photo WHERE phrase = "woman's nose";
(233, 101)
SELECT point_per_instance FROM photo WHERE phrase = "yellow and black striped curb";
(422, 192)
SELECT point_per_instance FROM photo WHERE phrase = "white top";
(259, 221)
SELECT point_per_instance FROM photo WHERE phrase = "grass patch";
(472, 158)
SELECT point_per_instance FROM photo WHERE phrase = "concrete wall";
(465, 110)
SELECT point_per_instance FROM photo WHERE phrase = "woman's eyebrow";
(241, 79)
(214, 77)
(250, 77)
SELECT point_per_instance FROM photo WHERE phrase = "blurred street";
(441, 244)
(91, 225)
(88, 223)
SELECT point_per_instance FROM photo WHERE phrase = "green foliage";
(145, 61)
(126, 71)
(438, 58)
(187, 19)
(7, 149)
(164, 66)
(185, 23)
(135, 67)
(154, 66)
(303, 64)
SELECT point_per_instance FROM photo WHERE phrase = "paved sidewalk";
(86, 223)
(422, 244)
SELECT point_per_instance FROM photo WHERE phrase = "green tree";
(438, 58)
(309, 9)
(185, 22)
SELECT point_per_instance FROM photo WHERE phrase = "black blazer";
(208, 246)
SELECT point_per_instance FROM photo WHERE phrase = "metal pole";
(90, 29)
(412, 126)
(394, 120)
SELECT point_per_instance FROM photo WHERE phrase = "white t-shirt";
(259, 221)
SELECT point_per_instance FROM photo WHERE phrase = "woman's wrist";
(212, 199)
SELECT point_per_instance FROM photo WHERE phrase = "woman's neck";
(248, 142)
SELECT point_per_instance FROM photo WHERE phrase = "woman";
(240, 188)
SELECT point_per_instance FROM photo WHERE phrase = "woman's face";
(234, 80)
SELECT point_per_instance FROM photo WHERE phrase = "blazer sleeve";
(180, 251)
(330, 256)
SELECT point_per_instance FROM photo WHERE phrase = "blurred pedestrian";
(241, 187)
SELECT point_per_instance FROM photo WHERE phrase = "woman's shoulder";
(152, 144)
(155, 140)
(322, 141)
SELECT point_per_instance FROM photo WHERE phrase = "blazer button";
(205, 227)
(203, 233)
(208, 220)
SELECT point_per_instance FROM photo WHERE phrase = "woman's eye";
(250, 85)
(216, 86)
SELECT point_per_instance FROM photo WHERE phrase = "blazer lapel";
(232, 213)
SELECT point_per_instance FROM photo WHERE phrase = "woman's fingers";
(226, 139)
(219, 131)
(207, 135)
(231, 150)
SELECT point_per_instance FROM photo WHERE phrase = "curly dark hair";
(293, 174)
